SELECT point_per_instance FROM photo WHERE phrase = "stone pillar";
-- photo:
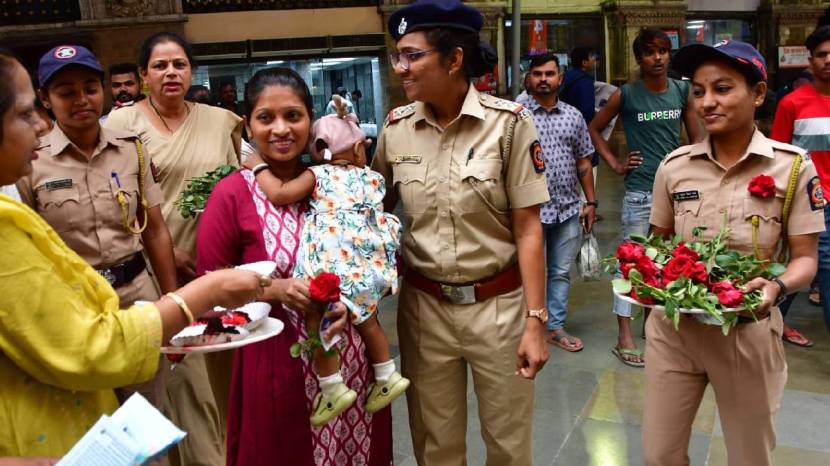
(492, 32)
(785, 23)
(625, 18)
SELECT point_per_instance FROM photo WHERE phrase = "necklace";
(162, 118)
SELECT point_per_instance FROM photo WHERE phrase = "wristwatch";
(782, 295)
(541, 314)
(593, 203)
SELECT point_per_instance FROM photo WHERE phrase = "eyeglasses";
(405, 58)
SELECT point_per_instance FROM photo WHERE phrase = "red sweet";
(235, 318)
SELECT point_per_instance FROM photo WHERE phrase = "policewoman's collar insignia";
(402, 26)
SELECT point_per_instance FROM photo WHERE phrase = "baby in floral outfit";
(347, 233)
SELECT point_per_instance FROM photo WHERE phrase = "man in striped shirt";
(803, 119)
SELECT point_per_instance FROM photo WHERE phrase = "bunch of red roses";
(683, 262)
(698, 276)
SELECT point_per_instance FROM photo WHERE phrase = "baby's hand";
(252, 161)
(337, 315)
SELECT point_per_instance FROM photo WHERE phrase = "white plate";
(263, 267)
(659, 307)
(270, 328)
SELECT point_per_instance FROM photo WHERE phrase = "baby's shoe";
(327, 408)
(382, 395)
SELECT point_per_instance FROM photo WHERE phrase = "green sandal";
(620, 353)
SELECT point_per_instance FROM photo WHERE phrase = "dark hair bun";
(486, 60)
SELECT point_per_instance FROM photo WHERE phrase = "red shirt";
(803, 120)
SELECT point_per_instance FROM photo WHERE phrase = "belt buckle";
(108, 275)
(465, 294)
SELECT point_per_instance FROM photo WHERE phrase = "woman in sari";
(185, 140)
(271, 393)
(64, 344)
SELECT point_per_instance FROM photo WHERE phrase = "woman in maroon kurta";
(271, 392)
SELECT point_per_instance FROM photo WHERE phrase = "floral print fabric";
(346, 232)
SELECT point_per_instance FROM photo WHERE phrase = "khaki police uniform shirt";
(78, 197)
(457, 185)
(692, 189)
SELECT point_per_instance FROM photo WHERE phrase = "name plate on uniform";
(686, 195)
(59, 184)
(406, 159)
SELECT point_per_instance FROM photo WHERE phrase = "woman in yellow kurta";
(64, 344)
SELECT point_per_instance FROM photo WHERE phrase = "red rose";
(626, 267)
(697, 272)
(647, 267)
(630, 252)
(720, 287)
(731, 298)
(675, 268)
(325, 288)
(762, 186)
(683, 251)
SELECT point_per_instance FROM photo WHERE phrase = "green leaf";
(776, 269)
(295, 350)
(635, 276)
(696, 231)
(638, 238)
(621, 285)
(651, 252)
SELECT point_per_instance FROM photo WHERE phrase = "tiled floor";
(589, 406)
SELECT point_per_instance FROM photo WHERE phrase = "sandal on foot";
(621, 353)
(382, 395)
(562, 339)
(814, 298)
(794, 337)
(328, 408)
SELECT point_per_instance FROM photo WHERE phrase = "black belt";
(125, 272)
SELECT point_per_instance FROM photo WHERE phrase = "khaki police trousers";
(747, 370)
(438, 341)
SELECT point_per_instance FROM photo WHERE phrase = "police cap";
(741, 54)
(434, 13)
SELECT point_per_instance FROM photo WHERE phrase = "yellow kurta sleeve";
(59, 320)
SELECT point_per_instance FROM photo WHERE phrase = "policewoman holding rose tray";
(765, 191)
(468, 170)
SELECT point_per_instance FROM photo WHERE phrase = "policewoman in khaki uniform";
(699, 185)
(469, 173)
(95, 186)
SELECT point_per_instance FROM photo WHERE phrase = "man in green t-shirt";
(652, 110)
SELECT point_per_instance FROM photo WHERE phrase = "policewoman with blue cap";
(469, 172)
(700, 185)
(95, 186)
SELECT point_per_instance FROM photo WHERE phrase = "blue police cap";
(740, 53)
(434, 13)
(62, 56)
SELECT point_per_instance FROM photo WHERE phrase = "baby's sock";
(329, 383)
(384, 370)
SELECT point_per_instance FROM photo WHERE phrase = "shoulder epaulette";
(122, 134)
(784, 147)
(505, 105)
(680, 151)
(399, 113)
